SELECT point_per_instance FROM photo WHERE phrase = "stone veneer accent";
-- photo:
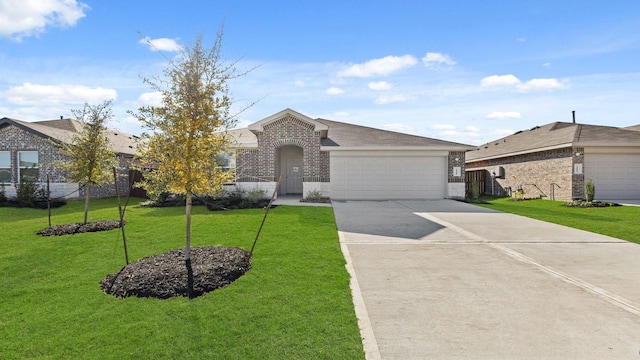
(534, 173)
(451, 163)
(14, 139)
(578, 179)
(259, 165)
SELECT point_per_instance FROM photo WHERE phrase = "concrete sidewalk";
(443, 279)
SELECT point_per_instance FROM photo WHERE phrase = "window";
(28, 161)
(5, 166)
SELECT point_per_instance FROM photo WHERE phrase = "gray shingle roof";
(349, 135)
(344, 135)
(63, 130)
(555, 135)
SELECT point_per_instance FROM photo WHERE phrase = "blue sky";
(464, 71)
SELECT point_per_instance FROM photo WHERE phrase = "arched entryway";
(291, 166)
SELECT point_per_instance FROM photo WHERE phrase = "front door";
(294, 176)
(291, 166)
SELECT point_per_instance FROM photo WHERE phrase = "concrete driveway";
(443, 279)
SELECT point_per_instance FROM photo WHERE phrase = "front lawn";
(622, 222)
(294, 303)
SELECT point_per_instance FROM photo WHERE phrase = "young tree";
(188, 131)
(90, 157)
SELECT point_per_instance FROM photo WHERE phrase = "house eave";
(515, 153)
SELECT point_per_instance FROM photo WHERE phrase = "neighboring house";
(554, 160)
(30, 148)
(345, 161)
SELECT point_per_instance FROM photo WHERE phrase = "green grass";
(294, 303)
(621, 222)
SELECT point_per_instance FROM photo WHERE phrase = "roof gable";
(259, 126)
(63, 131)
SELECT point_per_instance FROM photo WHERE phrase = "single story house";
(345, 161)
(554, 160)
(30, 147)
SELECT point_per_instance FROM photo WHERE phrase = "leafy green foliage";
(189, 128)
(27, 191)
(589, 190)
(90, 158)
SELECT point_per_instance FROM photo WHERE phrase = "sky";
(463, 71)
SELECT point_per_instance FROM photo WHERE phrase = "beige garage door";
(616, 176)
(387, 176)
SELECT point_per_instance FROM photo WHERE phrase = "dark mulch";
(69, 229)
(590, 204)
(167, 275)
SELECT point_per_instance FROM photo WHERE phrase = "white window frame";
(8, 167)
(20, 167)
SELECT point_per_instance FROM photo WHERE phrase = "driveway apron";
(443, 279)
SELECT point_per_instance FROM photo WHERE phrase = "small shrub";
(27, 191)
(474, 192)
(3, 196)
(315, 196)
(589, 190)
(254, 197)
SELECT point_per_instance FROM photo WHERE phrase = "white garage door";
(387, 176)
(616, 176)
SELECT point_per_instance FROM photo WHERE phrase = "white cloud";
(547, 64)
(433, 59)
(382, 100)
(541, 85)
(23, 18)
(398, 127)
(299, 83)
(379, 67)
(503, 115)
(334, 91)
(500, 80)
(150, 99)
(471, 128)
(161, 44)
(380, 85)
(531, 85)
(37, 94)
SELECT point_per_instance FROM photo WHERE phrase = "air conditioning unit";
(498, 172)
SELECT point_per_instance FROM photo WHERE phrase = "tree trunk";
(187, 249)
(86, 202)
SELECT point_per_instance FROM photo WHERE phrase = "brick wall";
(260, 164)
(534, 173)
(455, 160)
(14, 139)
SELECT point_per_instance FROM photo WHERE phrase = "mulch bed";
(69, 229)
(590, 204)
(167, 275)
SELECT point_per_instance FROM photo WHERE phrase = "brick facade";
(14, 139)
(547, 174)
(260, 165)
(455, 160)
